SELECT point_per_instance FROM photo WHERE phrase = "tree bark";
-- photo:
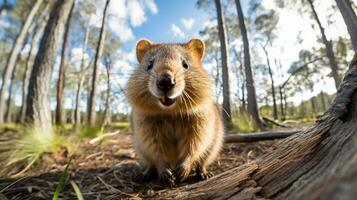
(77, 112)
(251, 95)
(3, 6)
(275, 109)
(282, 110)
(328, 45)
(261, 136)
(62, 72)
(11, 61)
(38, 109)
(25, 79)
(350, 18)
(107, 109)
(323, 100)
(316, 163)
(9, 99)
(93, 93)
(226, 107)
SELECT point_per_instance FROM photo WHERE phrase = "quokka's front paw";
(167, 177)
(182, 172)
(147, 176)
(202, 174)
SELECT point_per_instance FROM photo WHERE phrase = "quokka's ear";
(197, 46)
(141, 48)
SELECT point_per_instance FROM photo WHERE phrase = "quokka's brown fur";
(177, 140)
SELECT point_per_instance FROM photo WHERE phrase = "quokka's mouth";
(166, 101)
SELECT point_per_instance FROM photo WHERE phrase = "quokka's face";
(169, 77)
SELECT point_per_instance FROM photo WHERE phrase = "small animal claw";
(147, 176)
(202, 174)
(181, 173)
(167, 178)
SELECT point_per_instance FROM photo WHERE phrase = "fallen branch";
(253, 137)
(268, 120)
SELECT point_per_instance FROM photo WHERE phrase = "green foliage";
(23, 146)
(121, 125)
(89, 131)
(243, 123)
(61, 181)
(77, 191)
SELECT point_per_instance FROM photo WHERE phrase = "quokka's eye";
(150, 65)
(184, 64)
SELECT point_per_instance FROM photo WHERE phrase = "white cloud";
(123, 15)
(136, 13)
(187, 22)
(151, 6)
(177, 31)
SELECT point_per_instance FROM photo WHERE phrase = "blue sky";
(157, 27)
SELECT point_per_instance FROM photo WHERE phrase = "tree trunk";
(38, 109)
(313, 105)
(329, 48)
(25, 79)
(350, 18)
(275, 109)
(77, 112)
(3, 6)
(11, 61)
(323, 100)
(11, 91)
(282, 111)
(251, 95)
(226, 107)
(62, 72)
(93, 93)
(316, 163)
(107, 109)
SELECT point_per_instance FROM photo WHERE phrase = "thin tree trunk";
(323, 100)
(38, 109)
(62, 72)
(275, 109)
(252, 99)
(107, 109)
(350, 18)
(25, 79)
(11, 91)
(10, 64)
(329, 49)
(313, 105)
(77, 112)
(3, 6)
(282, 112)
(93, 93)
(226, 108)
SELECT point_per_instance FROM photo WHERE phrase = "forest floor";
(107, 171)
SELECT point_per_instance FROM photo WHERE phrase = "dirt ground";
(107, 171)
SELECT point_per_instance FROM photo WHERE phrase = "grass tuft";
(77, 190)
(243, 123)
(20, 149)
(61, 181)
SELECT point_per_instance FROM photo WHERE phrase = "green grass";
(21, 149)
(125, 126)
(63, 178)
(89, 131)
(243, 123)
(77, 190)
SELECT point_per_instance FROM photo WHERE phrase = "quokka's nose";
(165, 82)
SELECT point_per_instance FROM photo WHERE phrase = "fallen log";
(268, 120)
(317, 163)
(260, 136)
